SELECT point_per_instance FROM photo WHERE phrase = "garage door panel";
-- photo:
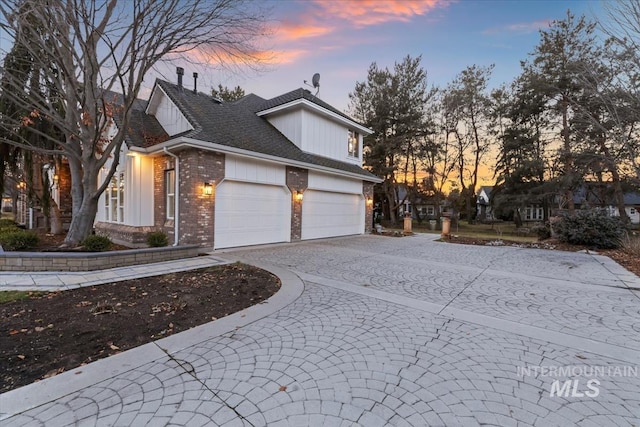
(251, 214)
(328, 214)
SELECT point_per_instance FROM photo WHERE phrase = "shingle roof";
(144, 130)
(301, 93)
(236, 125)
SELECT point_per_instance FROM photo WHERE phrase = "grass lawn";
(502, 230)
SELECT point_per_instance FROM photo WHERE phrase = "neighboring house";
(426, 207)
(597, 196)
(483, 204)
(591, 194)
(248, 172)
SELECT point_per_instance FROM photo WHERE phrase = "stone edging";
(39, 393)
(90, 261)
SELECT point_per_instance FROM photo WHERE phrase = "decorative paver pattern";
(375, 340)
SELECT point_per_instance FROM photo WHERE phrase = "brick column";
(197, 223)
(297, 181)
(367, 191)
(196, 210)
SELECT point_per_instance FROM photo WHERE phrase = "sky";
(339, 39)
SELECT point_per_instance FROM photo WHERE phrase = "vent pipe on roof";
(180, 73)
(195, 82)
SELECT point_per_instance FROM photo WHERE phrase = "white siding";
(327, 138)
(290, 125)
(169, 116)
(138, 189)
(138, 208)
(316, 134)
(241, 169)
(320, 181)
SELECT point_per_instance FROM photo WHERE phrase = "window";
(632, 211)
(353, 143)
(114, 199)
(170, 191)
(430, 210)
(533, 213)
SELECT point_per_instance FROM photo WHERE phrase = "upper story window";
(170, 193)
(114, 199)
(353, 144)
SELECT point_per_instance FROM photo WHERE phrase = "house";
(425, 207)
(589, 195)
(483, 203)
(597, 195)
(229, 174)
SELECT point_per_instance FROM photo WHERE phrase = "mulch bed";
(49, 333)
(628, 260)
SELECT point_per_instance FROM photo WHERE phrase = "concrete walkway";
(378, 331)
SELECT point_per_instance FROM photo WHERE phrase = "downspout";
(176, 197)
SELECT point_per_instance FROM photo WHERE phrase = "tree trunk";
(82, 222)
(568, 156)
(84, 183)
(55, 222)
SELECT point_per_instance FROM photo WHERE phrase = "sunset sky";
(340, 39)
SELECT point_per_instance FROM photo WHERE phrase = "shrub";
(18, 240)
(96, 243)
(631, 244)
(6, 224)
(157, 239)
(543, 231)
(591, 228)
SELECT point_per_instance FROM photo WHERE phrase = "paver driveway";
(393, 331)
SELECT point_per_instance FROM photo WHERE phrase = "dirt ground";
(49, 333)
(626, 259)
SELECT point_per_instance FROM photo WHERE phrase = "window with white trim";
(533, 213)
(114, 199)
(170, 193)
(353, 143)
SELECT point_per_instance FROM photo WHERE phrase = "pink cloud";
(521, 27)
(371, 12)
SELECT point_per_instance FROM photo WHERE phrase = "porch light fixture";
(369, 201)
(56, 178)
(299, 196)
(208, 189)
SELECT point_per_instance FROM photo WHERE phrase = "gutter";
(176, 197)
(209, 146)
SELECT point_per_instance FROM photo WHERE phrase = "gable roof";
(144, 129)
(302, 94)
(236, 125)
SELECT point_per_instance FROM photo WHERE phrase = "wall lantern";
(208, 188)
(299, 195)
(369, 201)
(56, 179)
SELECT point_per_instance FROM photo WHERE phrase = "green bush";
(543, 231)
(96, 243)
(157, 239)
(8, 224)
(18, 240)
(591, 228)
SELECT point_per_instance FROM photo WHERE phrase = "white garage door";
(328, 214)
(251, 214)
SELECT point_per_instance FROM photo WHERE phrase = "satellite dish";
(315, 81)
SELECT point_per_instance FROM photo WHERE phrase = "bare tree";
(468, 109)
(89, 48)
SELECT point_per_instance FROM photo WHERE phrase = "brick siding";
(297, 181)
(367, 191)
